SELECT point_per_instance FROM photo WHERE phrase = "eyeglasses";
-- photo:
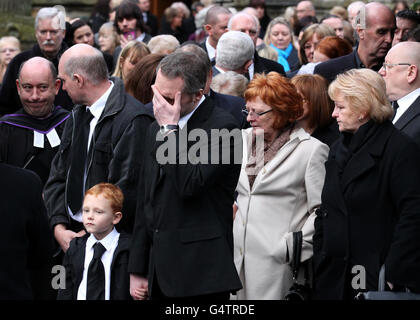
(391, 65)
(251, 32)
(255, 114)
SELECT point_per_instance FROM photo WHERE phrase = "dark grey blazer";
(409, 122)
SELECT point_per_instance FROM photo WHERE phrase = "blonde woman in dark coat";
(370, 211)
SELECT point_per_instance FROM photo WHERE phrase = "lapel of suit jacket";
(364, 159)
(412, 112)
(258, 65)
(297, 136)
(79, 261)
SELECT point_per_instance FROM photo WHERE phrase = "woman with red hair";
(279, 188)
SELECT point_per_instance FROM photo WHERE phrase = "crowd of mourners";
(116, 187)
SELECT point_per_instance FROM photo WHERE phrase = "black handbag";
(298, 291)
(381, 294)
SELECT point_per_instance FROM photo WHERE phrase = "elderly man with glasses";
(401, 74)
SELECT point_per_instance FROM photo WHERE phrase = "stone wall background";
(17, 16)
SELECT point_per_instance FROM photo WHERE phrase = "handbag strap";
(297, 252)
(381, 281)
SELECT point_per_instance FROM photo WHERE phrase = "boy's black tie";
(96, 275)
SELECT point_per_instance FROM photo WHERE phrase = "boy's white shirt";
(110, 243)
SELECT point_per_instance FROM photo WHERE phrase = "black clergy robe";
(29, 142)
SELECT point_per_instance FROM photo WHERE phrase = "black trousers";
(157, 294)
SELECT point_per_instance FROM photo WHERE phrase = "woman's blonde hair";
(135, 50)
(365, 91)
(275, 21)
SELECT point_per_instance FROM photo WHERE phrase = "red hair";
(110, 192)
(280, 94)
(334, 47)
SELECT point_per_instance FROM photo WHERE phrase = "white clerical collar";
(183, 121)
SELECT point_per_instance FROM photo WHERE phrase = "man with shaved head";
(304, 9)
(29, 138)
(401, 72)
(375, 28)
(215, 24)
(102, 142)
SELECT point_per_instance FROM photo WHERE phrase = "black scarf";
(350, 143)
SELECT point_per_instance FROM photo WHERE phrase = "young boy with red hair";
(96, 263)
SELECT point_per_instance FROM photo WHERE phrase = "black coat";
(331, 68)
(263, 65)
(26, 240)
(152, 23)
(117, 147)
(328, 134)
(9, 98)
(370, 214)
(74, 260)
(409, 122)
(184, 219)
(234, 105)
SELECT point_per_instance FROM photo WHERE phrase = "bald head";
(402, 70)
(37, 86)
(407, 51)
(84, 74)
(85, 60)
(37, 63)
(375, 28)
(305, 8)
(245, 22)
(375, 11)
(213, 14)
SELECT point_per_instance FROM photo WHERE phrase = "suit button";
(325, 213)
(156, 230)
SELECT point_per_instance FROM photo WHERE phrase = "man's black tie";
(395, 106)
(96, 275)
(78, 162)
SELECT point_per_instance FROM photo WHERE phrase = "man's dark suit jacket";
(152, 23)
(234, 105)
(26, 240)
(331, 68)
(263, 65)
(183, 230)
(74, 263)
(409, 122)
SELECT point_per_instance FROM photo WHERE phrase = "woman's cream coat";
(283, 199)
